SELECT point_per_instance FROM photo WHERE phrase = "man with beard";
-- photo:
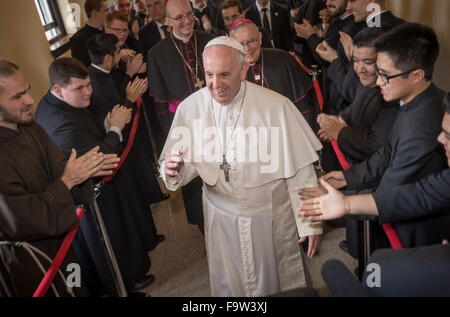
(275, 69)
(40, 188)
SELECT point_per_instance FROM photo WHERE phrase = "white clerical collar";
(258, 6)
(54, 94)
(200, 9)
(373, 15)
(101, 69)
(94, 27)
(183, 39)
(345, 15)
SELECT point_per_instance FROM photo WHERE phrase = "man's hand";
(136, 89)
(126, 55)
(119, 117)
(323, 136)
(347, 43)
(304, 30)
(294, 12)
(331, 125)
(78, 170)
(110, 163)
(313, 244)
(326, 52)
(325, 16)
(335, 179)
(207, 26)
(174, 162)
(134, 64)
(328, 207)
(142, 69)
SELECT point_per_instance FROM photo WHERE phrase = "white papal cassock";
(251, 221)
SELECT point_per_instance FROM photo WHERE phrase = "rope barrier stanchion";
(59, 258)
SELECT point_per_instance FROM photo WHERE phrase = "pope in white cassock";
(254, 151)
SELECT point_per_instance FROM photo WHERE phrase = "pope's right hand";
(174, 162)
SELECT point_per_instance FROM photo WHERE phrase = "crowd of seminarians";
(141, 62)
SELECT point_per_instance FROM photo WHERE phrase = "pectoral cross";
(226, 169)
(198, 83)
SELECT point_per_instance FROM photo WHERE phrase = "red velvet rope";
(59, 258)
(392, 235)
(130, 143)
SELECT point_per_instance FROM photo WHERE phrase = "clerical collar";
(182, 39)
(345, 15)
(373, 15)
(200, 9)
(54, 94)
(258, 6)
(87, 23)
(101, 69)
(159, 25)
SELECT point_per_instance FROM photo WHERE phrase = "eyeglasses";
(180, 18)
(250, 42)
(386, 78)
(119, 30)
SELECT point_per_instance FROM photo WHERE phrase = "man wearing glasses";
(175, 71)
(275, 69)
(405, 65)
(123, 6)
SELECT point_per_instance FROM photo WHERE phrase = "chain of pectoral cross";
(198, 82)
(225, 166)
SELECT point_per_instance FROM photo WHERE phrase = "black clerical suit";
(309, 10)
(370, 120)
(149, 35)
(281, 30)
(39, 209)
(279, 71)
(78, 43)
(411, 153)
(213, 16)
(341, 70)
(69, 128)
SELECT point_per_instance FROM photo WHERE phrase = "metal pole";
(117, 276)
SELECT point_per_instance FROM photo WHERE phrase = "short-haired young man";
(96, 11)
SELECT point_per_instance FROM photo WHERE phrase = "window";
(51, 20)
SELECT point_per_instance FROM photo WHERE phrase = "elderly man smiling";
(250, 226)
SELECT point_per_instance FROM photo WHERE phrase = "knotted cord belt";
(391, 234)
(67, 242)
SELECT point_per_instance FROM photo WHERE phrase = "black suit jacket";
(69, 126)
(410, 154)
(282, 33)
(148, 36)
(370, 120)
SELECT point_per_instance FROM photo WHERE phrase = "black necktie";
(266, 23)
(164, 28)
